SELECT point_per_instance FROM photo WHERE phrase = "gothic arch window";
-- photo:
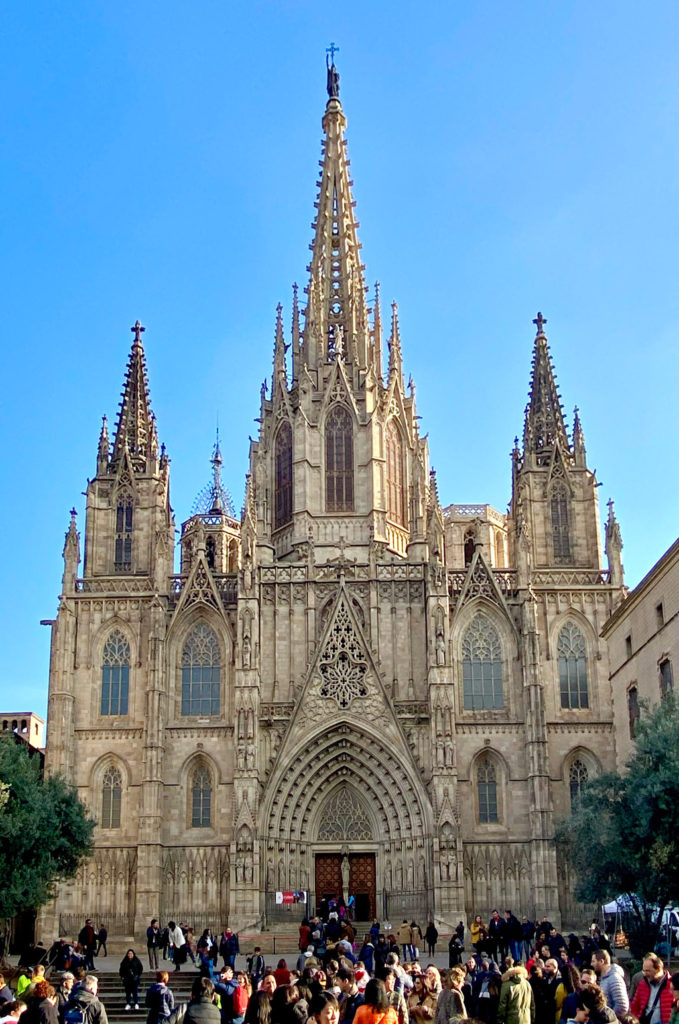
(123, 542)
(666, 678)
(499, 549)
(469, 544)
(283, 469)
(201, 797)
(344, 818)
(210, 551)
(482, 666)
(115, 674)
(111, 798)
(572, 662)
(201, 672)
(486, 791)
(232, 565)
(578, 777)
(396, 492)
(339, 461)
(559, 507)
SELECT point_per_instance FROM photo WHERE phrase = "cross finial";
(333, 76)
(73, 513)
(540, 321)
(332, 50)
(137, 330)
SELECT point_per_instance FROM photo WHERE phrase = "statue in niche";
(250, 756)
(345, 877)
(250, 718)
(399, 875)
(247, 652)
(387, 875)
(410, 875)
(240, 869)
(247, 872)
(303, 877)
(270, 878)
(440, 649)
(241, 756)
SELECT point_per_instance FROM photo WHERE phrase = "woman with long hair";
(259, 1008)
(131, 970)
(422, 1000)
(450, 1002)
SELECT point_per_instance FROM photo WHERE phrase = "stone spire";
(214, 498)
(134, 427)
(296, 337)
(103, 451)
(544, 425)
(336, 302)
(71, 555)
(395, 354)
(579, 450)
(279, 348)
(614, 548)
(377, 333)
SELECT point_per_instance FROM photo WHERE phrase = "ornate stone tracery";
(343, 665)
(344, 818)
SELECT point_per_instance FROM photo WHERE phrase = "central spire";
(336, 313)
(135, 429)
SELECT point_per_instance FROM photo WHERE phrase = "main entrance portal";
(361, 881)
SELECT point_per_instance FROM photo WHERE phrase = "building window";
(666, 679)
(486, 785)
(633, 710)
(201, 674)
(469, 545)
(110, 798)
(628, 646)
(396, 496)
(572, 660)
(201, 798)
(560, 527)
(482, 666)
(115, 675)
(283, 459)
(578, 776)
(339, 461)
(659, 615)
(210, 552)
(123, 550)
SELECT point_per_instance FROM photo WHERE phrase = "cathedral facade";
(350, 671)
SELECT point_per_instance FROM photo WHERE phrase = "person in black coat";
(131, 970)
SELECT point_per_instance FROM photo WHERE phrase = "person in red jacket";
(653, 1001)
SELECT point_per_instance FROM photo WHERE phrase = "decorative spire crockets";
(336, 313)
(544, 425)
(214, 499)
(134, 429)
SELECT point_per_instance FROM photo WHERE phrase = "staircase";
(112, 994)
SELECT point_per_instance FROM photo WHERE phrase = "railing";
(570, 577)
(413, 904)
(115, 585)
(284, 913)
(505, 579)
(116, 924)
(475, 512)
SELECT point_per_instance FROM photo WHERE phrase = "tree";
(45, 830)
(621, 837)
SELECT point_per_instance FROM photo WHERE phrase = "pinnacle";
(134, 428)
(544, 424)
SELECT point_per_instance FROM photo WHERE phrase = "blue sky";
(159, 161)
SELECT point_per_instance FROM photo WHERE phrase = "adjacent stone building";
(349, 669)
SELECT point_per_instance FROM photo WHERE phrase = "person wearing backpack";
(159, 999)
(84, 1007)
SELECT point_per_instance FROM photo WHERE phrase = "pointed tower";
(213, 526)
(554, 499)
(129, 525)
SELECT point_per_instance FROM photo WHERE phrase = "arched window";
(112, 789)
(482, 666)
(115, 674)
(123, 550)
(572, 660)
(666, 678)
(283, 458)
(633, 710)
(561, 542)
(486, 784)
(469, 545)
(210, 551)
(339, 461)
(499, 549)
(201, 672)
(396, 497)
(578, 777)
(201, 797)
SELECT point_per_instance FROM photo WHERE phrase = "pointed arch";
(111, 797)
(580, 766)
(201, 671)
(488, 774)
(200, 794)
(115, 674)
(283, 500)
(559, 507)
(396, 475)
(482, 665)
(344, 817)
(124, 525)
(339, 460)
(571, 650)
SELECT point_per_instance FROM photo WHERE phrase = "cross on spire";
(332, 50)
(540, 321)
(137, 330)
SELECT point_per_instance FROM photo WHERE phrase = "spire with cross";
(544, 424)
(134, 426)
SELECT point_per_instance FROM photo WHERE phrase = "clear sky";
(159, 161)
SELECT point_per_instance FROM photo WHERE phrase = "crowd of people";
(520, 972)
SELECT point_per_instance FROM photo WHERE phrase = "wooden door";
(362, 884)
(328, 876)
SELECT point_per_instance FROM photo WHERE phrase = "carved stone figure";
(345, 877)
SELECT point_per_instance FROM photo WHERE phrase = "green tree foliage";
(45, 830)
(622, 837)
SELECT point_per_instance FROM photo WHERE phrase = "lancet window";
(561, 542)
(283, 460)
(572, 661)
(469, 544)
(396, 492)
(486, 785)
(201, 797)
(111, 797)
(123, 542)
(339, 461)
(115, 675)
(482, 666)
(201, 672)
(633, 710)
(666, 678)
(578, 776)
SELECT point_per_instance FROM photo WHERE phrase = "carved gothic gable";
(199, 588)
(480, 582)
(338, 389)
(558, 469)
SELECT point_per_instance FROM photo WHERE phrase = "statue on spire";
(333, 74)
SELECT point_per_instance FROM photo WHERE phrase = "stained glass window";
(111, 798)
(560, 526)
(339, 461)
(201, 797)
(201, 673)
(115, 675)
(486, 781)
(123, 545)
(283, 458)
(482, 666)
(572, 661)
